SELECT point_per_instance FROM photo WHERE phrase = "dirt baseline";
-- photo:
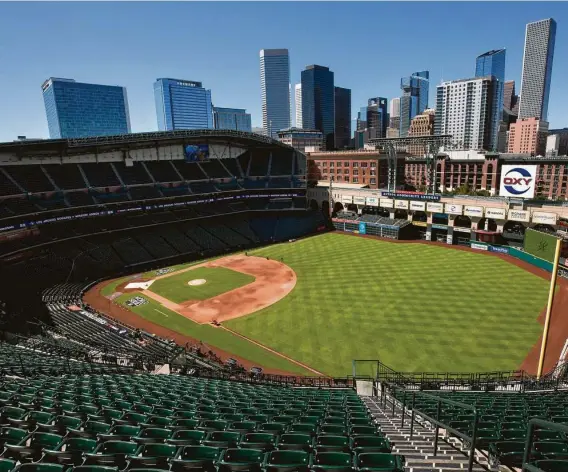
(273, 281)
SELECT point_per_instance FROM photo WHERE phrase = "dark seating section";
(134, 174)
(244, 162)
(233, 167)
(7, 187)
(100, 175)
(31, 177)
(66, 177)
(189, 170)
(163, 171)
(155, 245)
(281, 163)
(130, 251)
(214, 169)
(258, 165)
(145, 192)
(142, 422)
(79, 198)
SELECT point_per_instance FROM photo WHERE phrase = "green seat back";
(158, 450)
(97, 427)
(335, 429)
(46, 440)
(35, 467)
(217, 425)
(185, 423)
(268, 438)
(224, 436)
(552, 465)
(288, 458)
(79, 445)
(126, 430)
(296, 439)
(376, 460)
(118, 447)
(333, 458)
(242, 456)
(7, 465)
(12, 436)
(200, 453)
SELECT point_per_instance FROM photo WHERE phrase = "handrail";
(529, 441)
(436, 421)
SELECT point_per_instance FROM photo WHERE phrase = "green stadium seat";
(261, 441)
(331, 443)
(241, 460)
(213, 425)
(379, 462)
(30, 450)
(9, 435)
(364, 443)
(201, 458)
(258, 418)
(152, 456)
(243, 426)
(335, 429)
(287, 461)
(223, 439)
(70, 451)
(11, 413)
(93, 468)
(132, 417)
(187, 437)
(508, 453)
(332, 461)
(550, 450)
(153, 435)
(111, 453)
(276, 428)
(513, 435)
(303, 442)
(6, 465)
(39, 468)
(121, 432)
(157, 421)
(91, 429)
(184, 423)
(547, 435)
(552, 465)
(308, 428)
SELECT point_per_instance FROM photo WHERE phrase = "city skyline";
(233, 77)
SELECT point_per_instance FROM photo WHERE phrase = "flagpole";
(549, 308)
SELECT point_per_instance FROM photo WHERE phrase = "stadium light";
(549, 308)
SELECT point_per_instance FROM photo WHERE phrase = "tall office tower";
(492, 63)
(394, 113)
(377, 116)
(298, 104)
(182, 104)
(236, 119)
(463, 109)
(275, 90)
(342, 117)
(318, 102)
(422, 125)
(414, 98)
(537, 69)
(510, 99)
(79, 110)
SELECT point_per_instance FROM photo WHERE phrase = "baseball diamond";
(417, 307)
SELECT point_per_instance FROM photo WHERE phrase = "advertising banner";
(431, 197)
(421, 206)
(420, 223)
(197, 153)
(473, 211)
(401, 204)
(347, 198)
(544, 218)
(435, 207)
(387, 203)
(519, 215)
(442, 227)
(359, 200)
(372, 201)
(362, 227)
(495, 213)
(453, 209)
(500, 250)
(518, 181)
(481, 247)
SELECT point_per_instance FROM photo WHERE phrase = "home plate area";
(196, 282)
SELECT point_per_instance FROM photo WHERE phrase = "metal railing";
(527, 466)
(435, 421)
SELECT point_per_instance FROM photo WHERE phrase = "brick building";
(421, 125)
(528, 136)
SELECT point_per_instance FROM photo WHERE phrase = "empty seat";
(70, 451)
(112, 453)
(152, 455)
(287, 461)
(366, 443)
(222, 439)
(31, 449)
(197, 458)
(552, 465)
(335, 461)
(241, 459)
(303, 442)
(187, 437)
(377, 461)
(262, 441)
(332, 443)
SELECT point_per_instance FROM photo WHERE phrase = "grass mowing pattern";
(156, 313)
(219, 280)
(413, 306)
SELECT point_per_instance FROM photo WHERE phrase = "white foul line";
(165, 314)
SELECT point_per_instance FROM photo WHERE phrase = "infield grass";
(218, 280)
(156, 313)
(416, 307)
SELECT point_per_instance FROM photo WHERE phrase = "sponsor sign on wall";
(359, 200)
(500, 250)
(346, 198)
(473, 211)
(362, 227)
(372, 201)
(401, 204)
(414, 195)
(544, 218)
(496, 213)
(453, 209)
(519, 215)
(387, 203)
(435, 207)
(420, 223)
(481, 247)
(518, 181)
(443, 227)
(421, 206)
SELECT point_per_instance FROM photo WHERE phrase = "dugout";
(377, 226)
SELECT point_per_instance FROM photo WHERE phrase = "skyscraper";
(414, 98)
(318, 102)
(463, 109)
(377, 116)
(79, 110)
(182, 104)
(393, 130)
(492, 63)
(537, 69)
(342, 117)
(236, 119)
(275, 90)
(510, 99)
(298, 104)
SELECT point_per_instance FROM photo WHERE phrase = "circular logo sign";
(517, 181)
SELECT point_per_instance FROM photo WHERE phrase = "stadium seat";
(287, 461)
(152, 456)
(197, 458)
(31, 449)
(222, 439)
(379, 462)
(241, 460)
(121, 432)
(550, 450)
(111, 453)
(331, 443)
(35, 467)
(262, 441)
(301, 442)
(364, 443)
(552, 465)
(153, 435)
(332, 461)
(7, 465)
(10, 435)
(70, 451)
(187, 437)
(509, 453)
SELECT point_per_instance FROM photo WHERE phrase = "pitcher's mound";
(195, 282)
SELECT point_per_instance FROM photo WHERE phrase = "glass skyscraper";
(492, 64)
(79, 110)
(182, 104)
(537, 69)
(232, 118)
(275, 90)
(318, 102)
(414, 98)
(342, 117)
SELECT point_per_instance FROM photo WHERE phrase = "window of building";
(355, 180)
(332, 164)
(332, 171)
(346, 171)
(346, 164)
(346, 179)
(355, 171)
(339, 163)
(355, 164)
(364, 164)
(324, 164)
(373, 181)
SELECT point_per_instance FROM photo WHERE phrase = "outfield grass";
(219, 280)
(415, 307)
(156, 313)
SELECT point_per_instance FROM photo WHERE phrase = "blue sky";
(369, 46)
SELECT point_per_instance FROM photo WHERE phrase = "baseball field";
(323, 301)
